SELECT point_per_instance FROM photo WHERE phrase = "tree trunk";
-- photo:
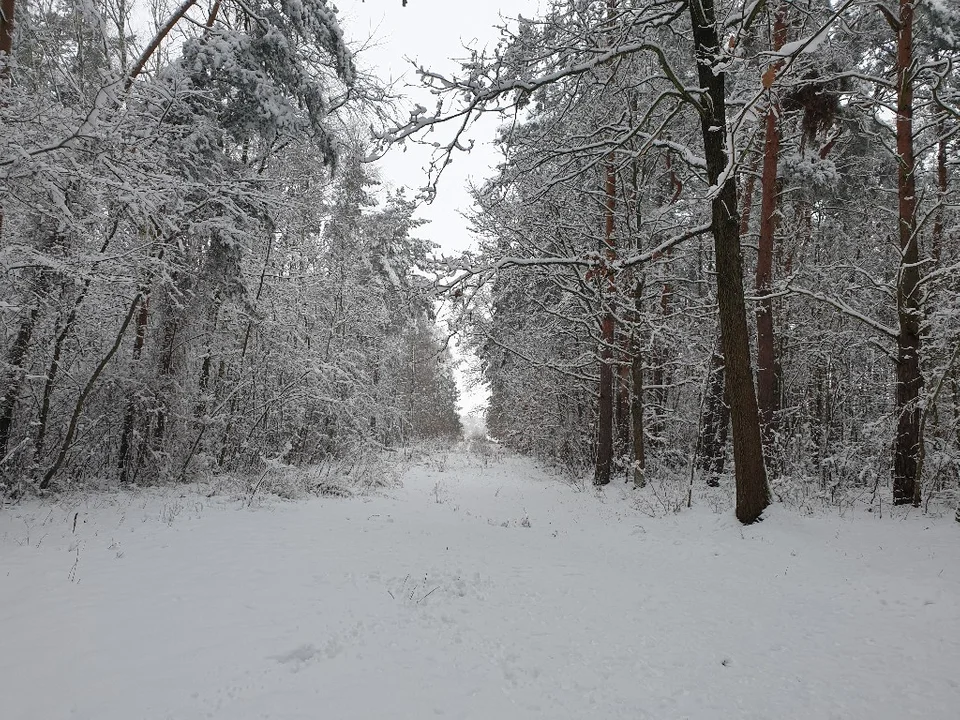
(14, 375)
(753, 495)
(624, 383)
(636, 397)
(747, 201)
(716, 409)
(170, 325)
(6, 36)
(123, 462)
(18, 350)
(660, 351)
(39, 282)
(716, 420)
(231, 413)
(82, 398)
(938, 223)
(6, 55)
(608, 328)
(661, 378)
(53, 369)
(908, 442)
(770, 188)
(607, 335)
(48, 384)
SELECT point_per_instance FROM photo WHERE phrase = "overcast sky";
(431, 32)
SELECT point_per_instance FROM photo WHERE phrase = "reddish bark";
(770, 188)
(908, 441)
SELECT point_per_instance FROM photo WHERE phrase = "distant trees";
(621, 155)
(201, 272)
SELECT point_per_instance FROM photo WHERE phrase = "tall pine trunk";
(770, 188)
(607, 333)
(608, 327)
(753, 494)
(636, 397)
(908, 442)
(624, 383)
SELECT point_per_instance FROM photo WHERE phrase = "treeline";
(198, 270)
(722, 223)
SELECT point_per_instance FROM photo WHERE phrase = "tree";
(770, 189)
(515, 72)
(753, 495)
(908, 445)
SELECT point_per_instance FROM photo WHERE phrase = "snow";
(803, 45)
(485, 587)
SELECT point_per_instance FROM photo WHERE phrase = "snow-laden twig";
(840, 305)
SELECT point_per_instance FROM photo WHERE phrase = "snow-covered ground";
(483, 588)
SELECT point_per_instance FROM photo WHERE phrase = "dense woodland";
(723, 242)
(199, 270)
(722, 221)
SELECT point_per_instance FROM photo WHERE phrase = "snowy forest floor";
(484, 587)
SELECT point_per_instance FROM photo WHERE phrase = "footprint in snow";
(298, 656)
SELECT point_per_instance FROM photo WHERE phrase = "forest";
(200, 274)
(708, 290)
(720, 223)
(721, 246)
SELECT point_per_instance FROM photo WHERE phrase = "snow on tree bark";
(753, 495)
(767, 394)
(908, 441)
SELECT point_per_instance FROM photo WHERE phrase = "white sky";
(431, 32)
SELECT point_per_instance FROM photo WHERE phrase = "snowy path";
(439, 601)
